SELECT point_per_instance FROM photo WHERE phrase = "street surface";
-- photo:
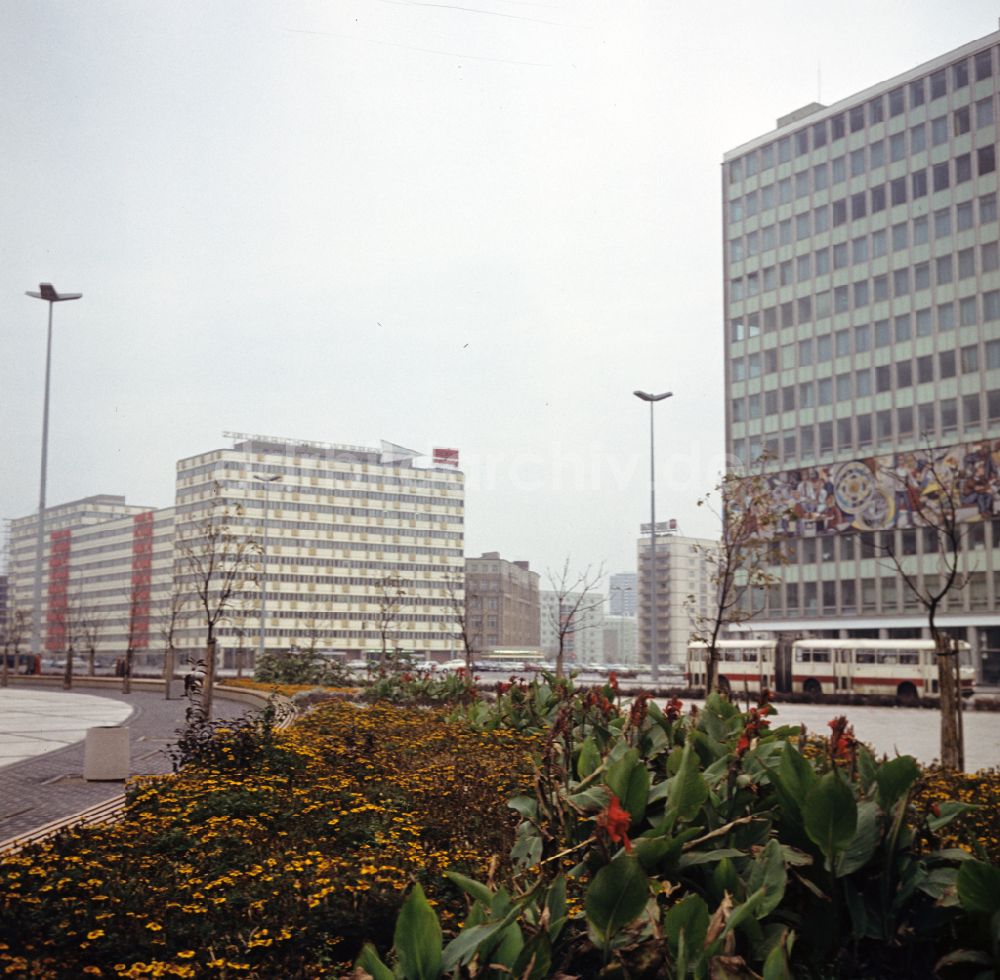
(903, 731)
(892, 731)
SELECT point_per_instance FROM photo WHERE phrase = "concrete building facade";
(620, 640)
(107, 577)
(354, 548)
(683, 590)
(862, 299)
(583, 641)
(501, 603)
(623, 594)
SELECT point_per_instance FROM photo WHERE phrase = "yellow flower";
(95, 934)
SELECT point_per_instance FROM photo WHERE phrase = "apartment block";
(684, 593)
(107, 573)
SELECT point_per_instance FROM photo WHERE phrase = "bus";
(906, 669)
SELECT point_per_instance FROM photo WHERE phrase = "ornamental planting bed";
(549, 830)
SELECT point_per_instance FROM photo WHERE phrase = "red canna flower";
(616, 821)
(842, 740)
(674, 709)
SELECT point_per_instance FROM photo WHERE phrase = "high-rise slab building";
(358, 548)
(862, 301)
(106, 578)
(623, 594)
(345, 548)
(683, 593)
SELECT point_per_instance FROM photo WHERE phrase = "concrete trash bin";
(106, 753)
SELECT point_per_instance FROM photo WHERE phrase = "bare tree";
(17, 627)
(933, 488)
(136, 628)
(167, 618)
(575, 598)
(389, 598)
(460, 621)
(741, 565)
(89, 624)
(217, 562)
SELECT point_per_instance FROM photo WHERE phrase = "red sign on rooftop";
(446, 457)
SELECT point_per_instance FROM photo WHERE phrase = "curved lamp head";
(647, 397)
(48, 292)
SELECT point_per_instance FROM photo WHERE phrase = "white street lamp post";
(654, 667)
(47, 292)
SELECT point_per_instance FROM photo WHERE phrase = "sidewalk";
(47, 787)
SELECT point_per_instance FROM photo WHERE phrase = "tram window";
(865, 657)
(887, 658)
(821, 656)
(802, 656)
(909, 658)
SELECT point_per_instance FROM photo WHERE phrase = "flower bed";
(274, 856)
(641, 841)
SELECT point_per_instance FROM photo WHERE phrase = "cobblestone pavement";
(51, 787)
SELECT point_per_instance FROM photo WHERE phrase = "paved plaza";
(903, 731)
(42, 733)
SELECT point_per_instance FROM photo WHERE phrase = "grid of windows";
(863, 296)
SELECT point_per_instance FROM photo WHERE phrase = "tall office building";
(862, 299)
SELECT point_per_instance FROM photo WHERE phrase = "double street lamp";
(47, 292)
(266, 481)
(654, 665)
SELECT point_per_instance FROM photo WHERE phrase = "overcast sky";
(476, 225)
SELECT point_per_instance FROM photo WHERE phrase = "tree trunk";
(711, 669)
(168, 671)
(959, 721)
(127, 672)
(951, 752)
(68, 671)
(209, 686)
